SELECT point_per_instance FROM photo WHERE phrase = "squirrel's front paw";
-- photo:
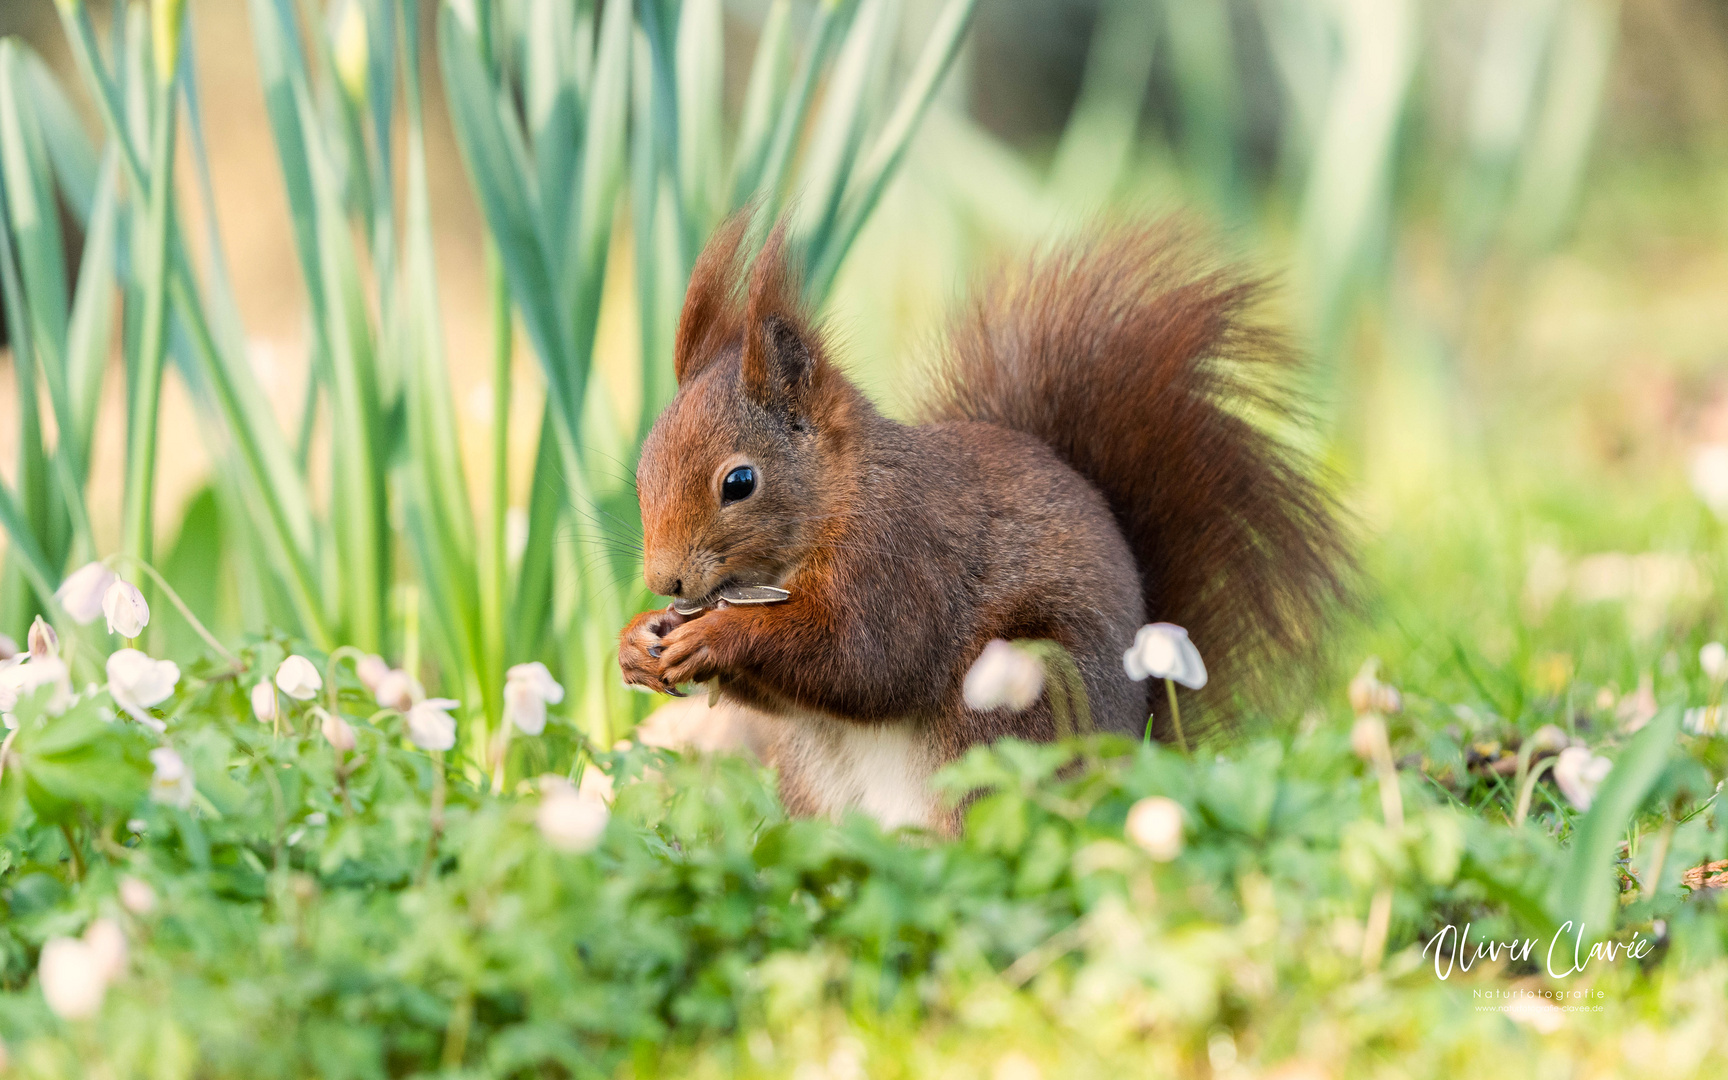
(641, 649)
(689, 655)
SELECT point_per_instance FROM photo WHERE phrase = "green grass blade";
(35, 219)
(281, 66)
(889, 148)
(554, 109)
(136, 524)
(769, 72)
(839, 129)
(1587, 891)
(74, 157)
(496, 160)
(701, 90)
(91, 327)
(828, 29)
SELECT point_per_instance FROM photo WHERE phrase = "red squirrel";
(1090, 460)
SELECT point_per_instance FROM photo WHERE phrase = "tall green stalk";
(146, 383)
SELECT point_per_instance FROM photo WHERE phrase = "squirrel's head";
(736, 472)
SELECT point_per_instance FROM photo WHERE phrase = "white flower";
(264, 701)
(73, 978)
(124, 605)
(22, 676)
(8, 647)
(137, 896)
(528, 689)
(1713, 658)
(82, 591)
(298, 678)
(108, 947)
(570, 820)
(1163, 651)
(430, 725)
(1003, 676)
(44, 642)
(172, 783)
(1155, 824)
(337, 731)
(1579, 773)
(137, 682)
(372, 669)
(1710, 476)
(398, 690)
(1703, 720)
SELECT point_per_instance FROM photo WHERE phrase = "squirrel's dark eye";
(739, 483)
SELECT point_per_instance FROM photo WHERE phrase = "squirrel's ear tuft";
(780, 351)
(711, 313)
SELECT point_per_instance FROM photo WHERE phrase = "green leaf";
(1586, 891)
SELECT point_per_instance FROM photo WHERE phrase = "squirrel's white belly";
(881, 769)
(826, 766)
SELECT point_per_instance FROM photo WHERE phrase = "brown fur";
(1081, 471)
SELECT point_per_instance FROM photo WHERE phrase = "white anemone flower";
(125, 608)
(298, 678)
(570, 820)
(1163, 651)
(398, 690)
(24, 675)
(528, 689)
(337, 731)
(136, 683)
(1003, 676)
(264, 701)
(430, 725)
(82, 591)
(1713, 659)
(1155, 825)
(1579, 773)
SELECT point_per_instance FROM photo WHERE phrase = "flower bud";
(172, 783)
(372, 670)
(108, 946)
(71, 975)
(298, 678)
(528, 689)
(125, 608)
(1003, 676)
(569, 820)
(137, 896)
(337, 731)
(44, 642)
(264, 701)
(1155, 825)
(1713, 659)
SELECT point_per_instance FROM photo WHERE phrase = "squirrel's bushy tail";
(1141, 363)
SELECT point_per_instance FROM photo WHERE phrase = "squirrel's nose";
(663, 579)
